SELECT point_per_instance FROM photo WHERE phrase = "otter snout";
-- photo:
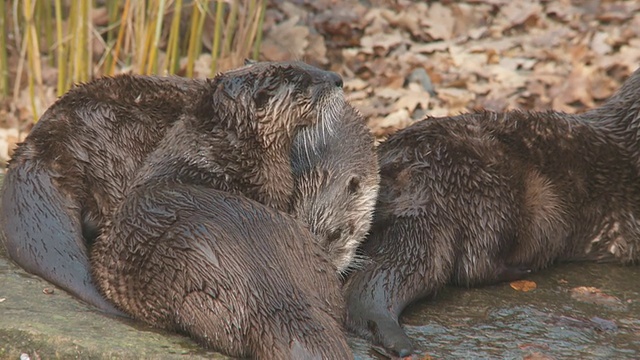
(335, 79)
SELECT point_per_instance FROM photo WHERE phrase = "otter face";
(283, 95)
(336, 175)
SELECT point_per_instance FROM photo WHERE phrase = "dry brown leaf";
(594, 295)
(600, 43)
(285, 41)
(291, 10)
(439, 22)
(431, 47)
(409, 20)
(574, 89)
(398, 119)
(355, 84)
(456, 98)
(562, 9)
(389, 93)
(519, 12)
(523, 285)
(630, 55)
(618, 11)
(316, 52)
(381, 43)
(412, 98)
(602, 87)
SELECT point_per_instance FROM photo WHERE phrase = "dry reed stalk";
(172, 60)
(33, 54)
(217, 33)
(195, 35)
(61, 51)
(4, 66)
(133, 32)
(121, 31)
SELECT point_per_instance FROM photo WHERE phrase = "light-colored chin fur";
(323, 218)
(352, 260)
(330, 107)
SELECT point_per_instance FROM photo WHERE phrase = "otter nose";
(335, 79)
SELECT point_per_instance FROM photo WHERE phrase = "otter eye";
(261, 98)
(354, 185)
(334, 235)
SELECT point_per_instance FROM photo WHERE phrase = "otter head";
(256, 111)
(276, 99)
(336, 173)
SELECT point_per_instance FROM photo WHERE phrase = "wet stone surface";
(554, 321)
(550, 322)
(57, 326)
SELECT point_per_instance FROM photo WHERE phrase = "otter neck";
(275, 175)
(263, 150)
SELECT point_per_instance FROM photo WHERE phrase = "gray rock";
(35, 325)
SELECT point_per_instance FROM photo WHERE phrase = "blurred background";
(401, 60)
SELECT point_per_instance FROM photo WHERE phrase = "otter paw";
(390, 335)
(512, 273)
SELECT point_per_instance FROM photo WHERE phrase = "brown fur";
(74, 166)
(72, 169)
(487, 197)
(193, 247)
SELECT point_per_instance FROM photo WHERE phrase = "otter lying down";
(162, 203)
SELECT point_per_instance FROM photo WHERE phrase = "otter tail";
(42, 232)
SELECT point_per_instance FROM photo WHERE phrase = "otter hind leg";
(42, 232)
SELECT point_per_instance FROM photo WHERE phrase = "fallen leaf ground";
(403, 60)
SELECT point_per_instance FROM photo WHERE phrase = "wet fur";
(73, 168)
(235, 275)
(487, 197)
(76, 163)
(201, 243)
(336, 172)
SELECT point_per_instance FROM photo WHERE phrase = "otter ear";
(354, 184)
(231, 89)
(248, 62)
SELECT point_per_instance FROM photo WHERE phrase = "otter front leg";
(506, 273)
(373, 313)
(410, 260)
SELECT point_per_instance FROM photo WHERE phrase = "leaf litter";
(403, 60)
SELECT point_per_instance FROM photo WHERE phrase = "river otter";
(336, 173)
(201, 242)
(81, 156)
(73, 168)
(486, 197)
